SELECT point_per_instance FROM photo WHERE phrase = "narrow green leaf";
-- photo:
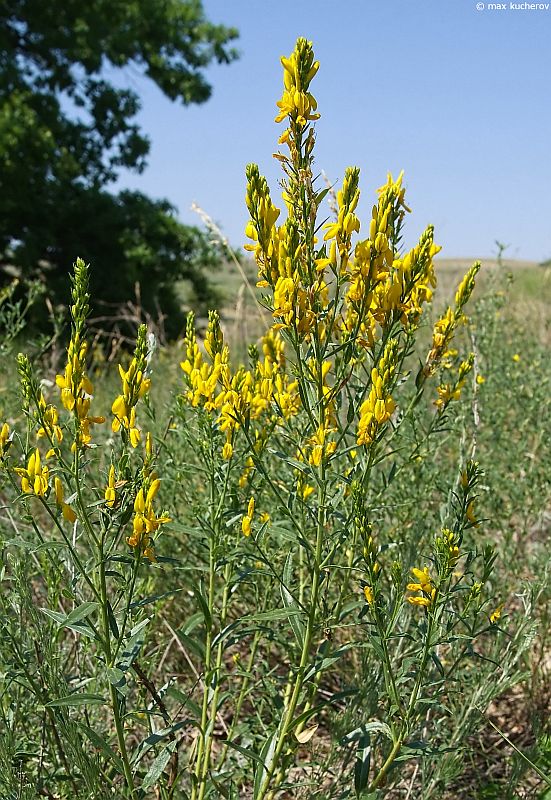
(269, 616)
(80, 612)
(252, 756)
(100, 743)
(156, 769)
(77, 699)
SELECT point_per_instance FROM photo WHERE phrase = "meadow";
(303, 552)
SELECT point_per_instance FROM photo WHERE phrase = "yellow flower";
(379, 406)
(305, 491)
(145, 520)
(419, 601)
(424, 586)
(298, 70)
(516, 357)
(66, 510)
(50, 422)
(135, 385)
(248, 518)
(34, 479)
(5, 439)
(368, 593)
(76, 392)
(471, 515)
(495, 615)
(110, 493)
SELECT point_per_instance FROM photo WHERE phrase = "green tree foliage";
(66, 129)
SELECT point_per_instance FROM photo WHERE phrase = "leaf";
(305, 735)
(80, 612)
(152, 598)
(102, 745)
(61, 620)
(134, 643)
(116, 677)
(156, 769)
(321, 664)
(195, 645)
(157, 737)
(112, 621)
(77, 699)
(357, 734)
(266, 758)
(245, 752)
(289, 602)
(269, 616)
(362, 764)
(204, 607)
(195, 620)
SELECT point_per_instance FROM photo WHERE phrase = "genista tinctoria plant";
(86, 529)
(304, 599)
(295, 448)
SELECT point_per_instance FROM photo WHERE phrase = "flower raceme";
(446, 326)
(232, 397)
(76, 396)
(379, 406)
(75, 386)
(34, 477)
(145, 521)
(298, 71)
(135, 385)
(452, 391)
(424, 586)
(50, 427)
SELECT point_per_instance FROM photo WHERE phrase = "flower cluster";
(35, 479)
(379, 406)
(76, 388)
(296, 102)
(446, 326)
(146, 521)
(452, 390)
(447, 548)
(35, 476)
(285, 260)
(423, 585)
(135, 385)
(245, 394)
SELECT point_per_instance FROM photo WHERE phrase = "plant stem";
(109, 663)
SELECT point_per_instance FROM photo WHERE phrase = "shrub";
(318, 568)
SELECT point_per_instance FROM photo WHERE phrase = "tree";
(66, 131)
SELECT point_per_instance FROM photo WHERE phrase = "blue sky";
(457, 97)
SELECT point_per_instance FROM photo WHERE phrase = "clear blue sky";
(458, 98)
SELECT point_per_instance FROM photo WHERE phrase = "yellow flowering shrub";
(279, 552)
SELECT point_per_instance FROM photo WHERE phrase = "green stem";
(306, 647)
(242, 694)
(404, 729)
(216, 692)
(109, 663)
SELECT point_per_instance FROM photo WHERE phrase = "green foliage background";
(66, 130)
